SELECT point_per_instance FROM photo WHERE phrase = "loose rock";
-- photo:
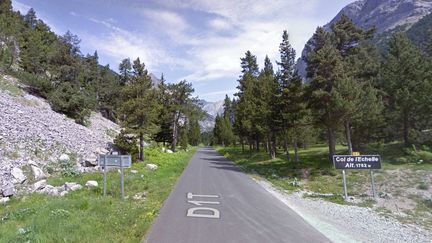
(18, 175)
(64, 158)
(134, 171)
(8, 191)
(91, 184)
(39, 185)
(72, 186)
(4, 200)
(151, 166)
(38, 174)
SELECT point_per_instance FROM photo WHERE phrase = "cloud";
(119, 43)
(18, 6)
(229, 92)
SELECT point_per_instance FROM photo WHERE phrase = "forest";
(76, 84)
(355, 93)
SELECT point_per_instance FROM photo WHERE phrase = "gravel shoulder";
(342, 223)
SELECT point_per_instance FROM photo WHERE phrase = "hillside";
(387, 16)
(31, 133)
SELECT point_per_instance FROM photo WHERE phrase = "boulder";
(4, 200)
(38, 174)
(72, 186)
(151, 166)
(64, 158)
(18, 175)
(8, 191)
(91, 184)
(91, 160)
(63, 193)
(169, 151)
(102, 151)
(39, 185)
(50, 190)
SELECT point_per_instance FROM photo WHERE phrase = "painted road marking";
(202, 212)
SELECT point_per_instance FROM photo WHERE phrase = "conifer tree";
(405, 82)
(140, 107)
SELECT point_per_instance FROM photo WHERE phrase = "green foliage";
(72, 101)
(407, 85)
(222, 132)
(126, 144)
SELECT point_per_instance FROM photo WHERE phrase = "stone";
(169, 151)
(133, 171)
(31, 162)
(163, 150)
(38, 174)
(91, 184)
(151, 166)
(91, 160)
(139, 196)
(102, 151)
(8, 191)
(4, 200)
(64, 158)
(72, 186)
(50, 190)
(39, 185)
(18, 175)
(63, 193)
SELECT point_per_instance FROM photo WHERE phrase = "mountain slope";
(32, 133)
(387, 16)
(212, 109)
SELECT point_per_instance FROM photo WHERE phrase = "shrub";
(126, 144)
(37, 84)
(72, 101)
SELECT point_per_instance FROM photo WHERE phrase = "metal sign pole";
(344, 185)
(105, 176)
(373, 183)
(122, 179)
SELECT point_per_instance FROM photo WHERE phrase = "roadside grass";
(315, 172)
(86, 215)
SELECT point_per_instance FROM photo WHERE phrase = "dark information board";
(362, 162)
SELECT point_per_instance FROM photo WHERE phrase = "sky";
(200, 41)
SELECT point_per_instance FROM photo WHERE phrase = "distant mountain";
(387, 16)
(212, 109)
(155, 81)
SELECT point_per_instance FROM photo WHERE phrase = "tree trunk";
(296, 157)
(406, 131)
(273, 146)
(286, 148)
(331, 142)
(141, 150)
(175, 132)
(348, 137)
(242, 144)
(257, 143)
(266, 147)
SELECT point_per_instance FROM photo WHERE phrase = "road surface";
(214, 201)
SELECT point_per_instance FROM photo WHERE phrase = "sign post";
(115, 161)
(357, 162)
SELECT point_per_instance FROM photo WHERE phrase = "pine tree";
(404, 80)
(139, 107)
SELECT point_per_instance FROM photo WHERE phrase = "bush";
(37, 85)
(70, 100)
(126, 144)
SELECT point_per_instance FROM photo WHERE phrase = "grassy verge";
(87, 216)
(402, 184)
(315, 172)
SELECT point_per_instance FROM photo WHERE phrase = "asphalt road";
(214, 201)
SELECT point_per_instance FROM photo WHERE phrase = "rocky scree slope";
(32, 134)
